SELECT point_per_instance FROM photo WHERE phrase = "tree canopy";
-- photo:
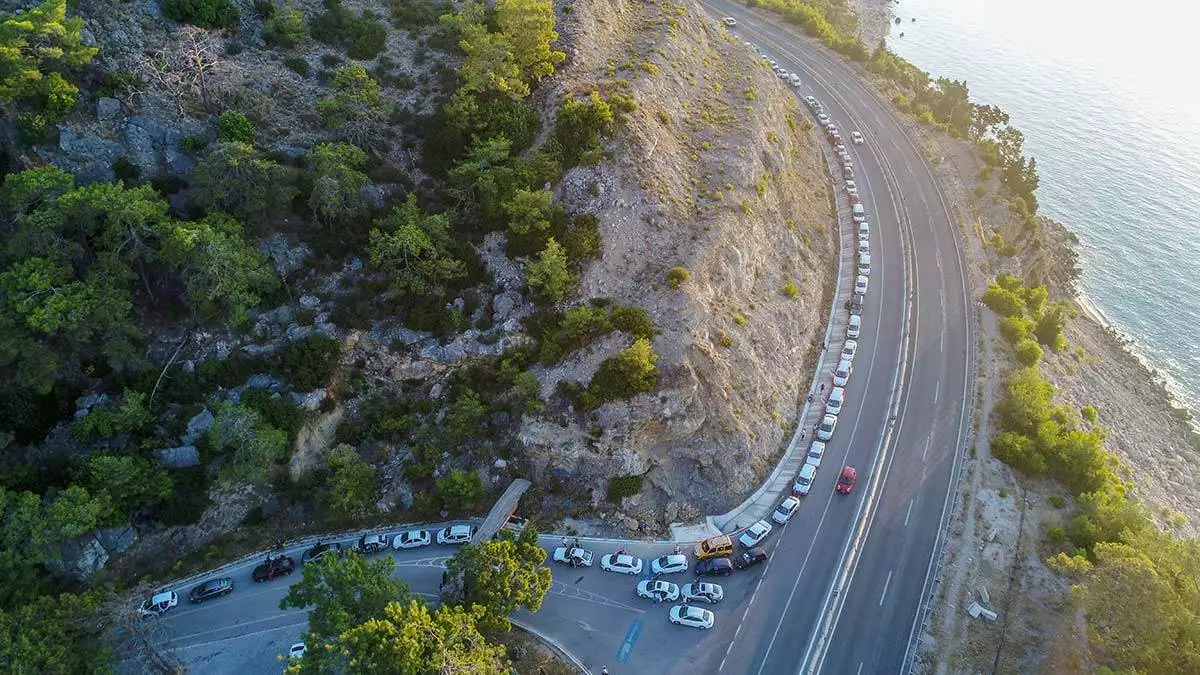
(502, 575)
(410, 639)
(414, 249)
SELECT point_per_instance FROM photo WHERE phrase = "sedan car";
(750, 558)
(755, 534)
(159, 603)
(841, 375)
(574, 557)
(849, 349)
(816, 452)
(372, 543)
(804, 479)
(823, 119)
(785, 510)
(850, 187)
(846, 481)
(213, 588)
(860, 284)
(273, 568)
(856, 137)
(730, 21)
(854, 327)
(864, 246)
(669, 564)
(848, 172)
(320, 550)
(455, 535)
(714, 567)
(826, 427)
(412, 539)
(696, 617)
(621, 563)
(703, 592)
(665, 590)
(811, 101)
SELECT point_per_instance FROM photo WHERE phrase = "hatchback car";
(785, 510)
(811, 101)
(714, 567)
(864, 230)
(832, 128)
(669, 564)
(696, 617)
(860, 284)
(847, 173)
(854, 327)
(297, 651)
(703, 592)
(856, 137)
(372, 543)
(864, 246)
(747, 559)
(823, 119)
(804, 479)
(850, 188)
(573, 557)
(816, 453)
(273, 568)
(864, 264)
(841, 374)
(159, 603)
(455, 535)
(755, 534)
(730, 21)
(846, 481)
(849, 349)
(621, 563)
(833, 404)
(213, 588)
(665, 590)
(412, 539)
(826, 427)
(320, 550)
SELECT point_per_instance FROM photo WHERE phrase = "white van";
(854, 327)
(859, 213)
(841, 375)
(834, 405)
(864, 264)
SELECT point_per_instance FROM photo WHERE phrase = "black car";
(275, 566)
(854, 304)
(213, 588)
(319, 550)
(749, 558)
(714, 567)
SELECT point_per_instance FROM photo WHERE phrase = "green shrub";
(309, 363)
(1027, 352)
(633, 321)
(126, 170)
(194, 144)
(203, 13)
(582, 239)
(459, 490)
(189, 498)
(234, 126)
(676, 276)
(1056, 534)
(285, 29)
(1057, 501)
(278, 410)
(363, 36)
(1015, 328)
(265, 9)
(620, 487)
(627, 374)
(297, 65)
(1089, 413)
(580, 127)
(789, 289)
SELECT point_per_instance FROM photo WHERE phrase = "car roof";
(162, 597)
(808, 471)
(456, 529)
(696, 612)
(848, 471)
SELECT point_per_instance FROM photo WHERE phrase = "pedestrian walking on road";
(566, 542)
(604, 670)
(676, 549)
(822, 387)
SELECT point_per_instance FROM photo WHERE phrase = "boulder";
(84, 404)
(90, 158)
(179, 161)
(145, 142)
(261, 381)
(116, 539)
(287, 258)
(503, 305)
(78, 558)
(311, 400)
(108, 109)
(197, 427)
(179, 457)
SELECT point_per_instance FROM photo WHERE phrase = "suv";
(747, 559)
(714, 567)
(372, 543)
(159, 603)
(319, 550)
(213, 588)
(455, 534)
(275, 566)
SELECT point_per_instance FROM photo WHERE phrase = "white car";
(794, 79)
(574, 557)
(858, 213)
(730, 21)
(854, 327)
(774, 64)
(826, 427)
(755, 534)
(837, 397)
(864, 230)
(749, 45)
(860, 284)
(804, 479)
(621, 563)
(847, 163)
(669, 564)
(832, 128)
(159, 604)
(785, 510)
(864, 264)
(856, 137)
(704, 592)
(841, 374)
(839, 149)
(816, 452)
(849, 349)
(823, 119)
(412, 539)
(455, 535)
(297, 651)
(848, 173)
(864, 245)
(851, 187)
(811, 101)
(665, 590)
(687, 615)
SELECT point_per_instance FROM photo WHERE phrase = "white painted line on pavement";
(885, 587)
(237, 637)
(937, 389)
(928, 440)
(909, 513)
(942, 340)
(859, 671)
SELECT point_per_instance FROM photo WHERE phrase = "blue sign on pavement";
(631, 636)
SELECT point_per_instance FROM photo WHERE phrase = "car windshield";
(845, 479)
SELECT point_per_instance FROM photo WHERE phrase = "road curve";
(923, 342)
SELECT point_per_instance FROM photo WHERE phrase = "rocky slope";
(717, 172)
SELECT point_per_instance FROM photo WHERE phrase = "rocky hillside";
(715, 173)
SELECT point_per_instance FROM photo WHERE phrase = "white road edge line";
(885, 587)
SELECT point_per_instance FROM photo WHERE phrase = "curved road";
(906, 415)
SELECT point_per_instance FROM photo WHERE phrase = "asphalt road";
(918, 285)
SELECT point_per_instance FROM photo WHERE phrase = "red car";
(846, 481)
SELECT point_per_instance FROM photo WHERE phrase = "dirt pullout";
(716, 171)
